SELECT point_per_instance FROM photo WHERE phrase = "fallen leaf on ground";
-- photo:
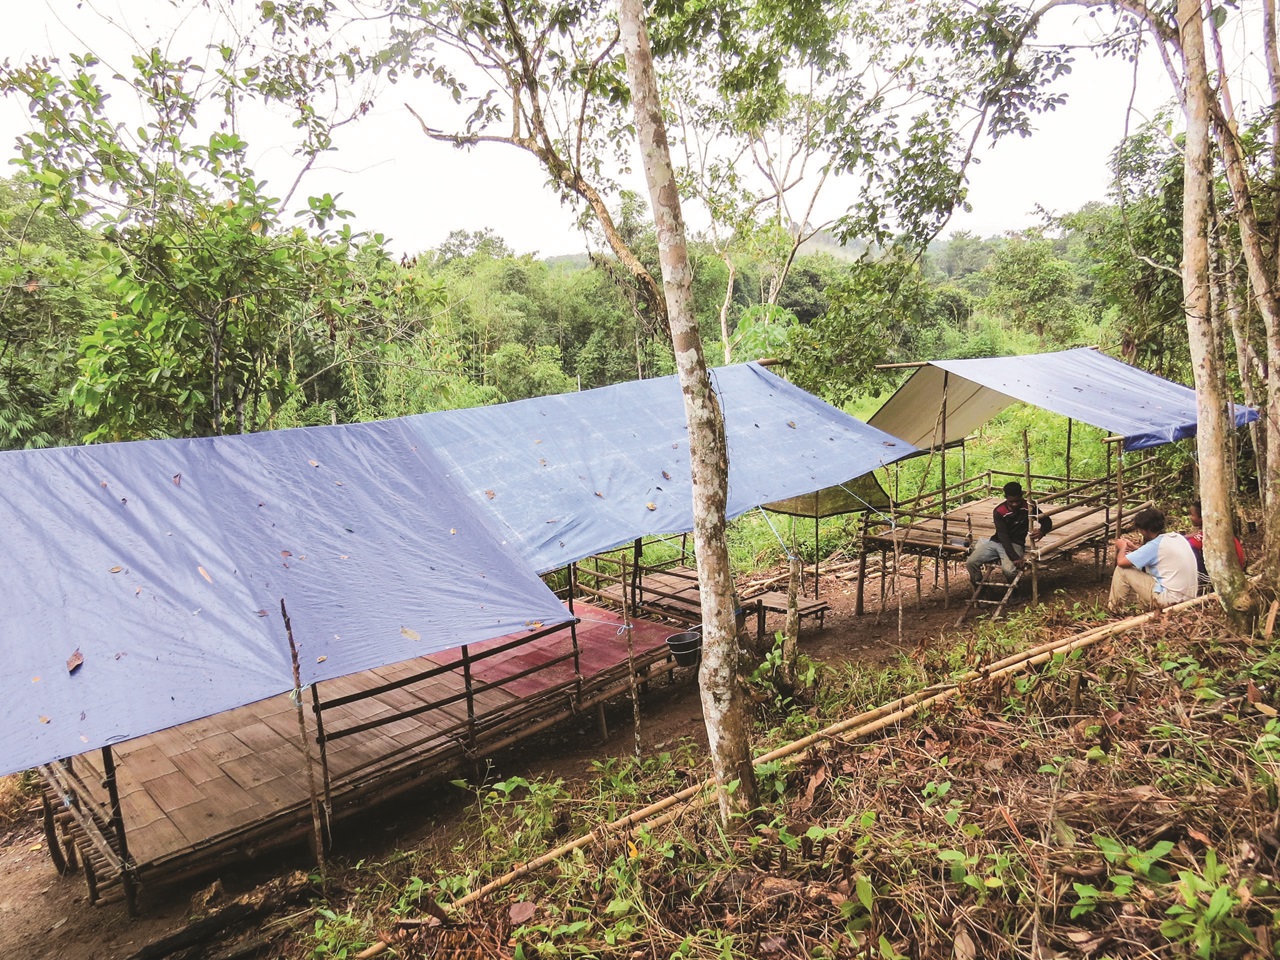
(523, 911)
(75, 661)
(411, 634)
(205, 573)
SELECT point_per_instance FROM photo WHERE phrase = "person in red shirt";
(1012, 520)
(1196, 539)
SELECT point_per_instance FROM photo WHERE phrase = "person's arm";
(1141, 557)
(1123, 547)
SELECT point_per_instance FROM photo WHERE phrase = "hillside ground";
(45, 915)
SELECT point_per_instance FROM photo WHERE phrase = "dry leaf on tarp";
(75, 661)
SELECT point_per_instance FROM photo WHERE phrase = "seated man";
(1012, 520)
(1196, 539)
(1160, 572)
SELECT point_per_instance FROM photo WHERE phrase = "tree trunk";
(724, 309)
(1212, 401)
(724, 704)
(1248, 367)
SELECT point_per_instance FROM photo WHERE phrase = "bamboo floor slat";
(672, 592)
(243, 772)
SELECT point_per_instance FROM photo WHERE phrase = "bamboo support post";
(862, 565)
(326, 779)
(117, 827)
(469, 687)
(815, 550)
(631, 673)
(317, 832)
(1069, 424)
(1119, 491)
(943, 452)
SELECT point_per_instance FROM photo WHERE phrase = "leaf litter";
(1071, 811)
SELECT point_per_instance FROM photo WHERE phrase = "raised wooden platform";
(942, 526)
(775, 601)
(233, 785)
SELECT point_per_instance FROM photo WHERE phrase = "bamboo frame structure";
(378, 734)
(1087, 514)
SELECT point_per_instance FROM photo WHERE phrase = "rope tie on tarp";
(607, 623)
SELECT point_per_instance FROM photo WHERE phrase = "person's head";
(1194, 514)
(1149, 522)
(1012, 492)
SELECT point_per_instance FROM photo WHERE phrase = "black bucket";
(686, 648)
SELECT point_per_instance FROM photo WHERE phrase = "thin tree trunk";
(1212, 439)
(723, 698)
(1248, 366)
(1273, 83)
(724, 309)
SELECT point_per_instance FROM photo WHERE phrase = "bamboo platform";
(941, 526)
(231, 786)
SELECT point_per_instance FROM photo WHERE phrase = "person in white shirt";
(1160, 572)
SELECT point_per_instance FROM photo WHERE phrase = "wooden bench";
(775, 601)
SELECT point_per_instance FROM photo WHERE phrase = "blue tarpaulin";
(142, 582)
(574, 474)
(1082, 384)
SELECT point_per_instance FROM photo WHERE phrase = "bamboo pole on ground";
(872, 721)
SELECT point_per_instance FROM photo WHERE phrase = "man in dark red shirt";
(1012, 521)
(1196, 539)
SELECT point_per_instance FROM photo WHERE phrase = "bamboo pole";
(1069, 423)
(318, 711)
(946, 586)
(318, 834)
(631, 672)
(1026, 473)
(816, 560)
(872, 721)
(117, 827)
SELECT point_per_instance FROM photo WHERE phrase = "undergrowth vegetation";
(16, 793)
(1120, 802)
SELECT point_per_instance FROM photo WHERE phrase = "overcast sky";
(416, 191)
